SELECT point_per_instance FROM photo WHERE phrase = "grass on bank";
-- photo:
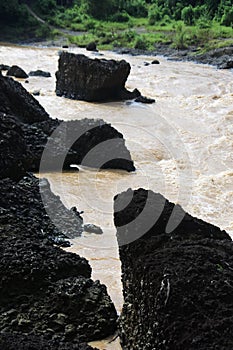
(141, 35)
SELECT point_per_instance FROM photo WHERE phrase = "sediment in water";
(177, 284)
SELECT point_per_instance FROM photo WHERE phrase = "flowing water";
(182, 147)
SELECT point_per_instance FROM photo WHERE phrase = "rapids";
(182, 147)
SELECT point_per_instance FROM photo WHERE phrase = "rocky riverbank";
(177, 285)
(220, 57)
(47, 297)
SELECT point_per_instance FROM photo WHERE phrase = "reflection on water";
(182, 147)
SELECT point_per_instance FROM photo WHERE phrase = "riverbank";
(220, 57)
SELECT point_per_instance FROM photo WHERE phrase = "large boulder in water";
(83, 78)
(177, 284)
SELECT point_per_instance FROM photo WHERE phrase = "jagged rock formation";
(93, 143)
(44, 290)
(177, 286)
(83, 78)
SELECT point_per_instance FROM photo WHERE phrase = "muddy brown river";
(182, 147)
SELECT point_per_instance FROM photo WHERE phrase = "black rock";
(177, 274)
(227, 65)
(91, 228)
(36, 92)
(20, 341)
(144, 99)
(16, 101)
(44, 290)
(14, 151)
(4, 67)
(83, 78)
(91, 46)
(74, 142)
(39, 73)
(16, 71)
(155, 62)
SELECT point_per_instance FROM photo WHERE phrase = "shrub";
(141, 43)
(180, 37)
(121, 17)
(136, 8)
(227, 18)
(187, 15)
(154, 14)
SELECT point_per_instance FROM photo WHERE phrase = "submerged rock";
(16, 71)
(155, 62)
(144, 99)
(91, 228)
(39, 73)
(83, 78)
(177, 284)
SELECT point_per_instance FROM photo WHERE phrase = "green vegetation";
(126, 23)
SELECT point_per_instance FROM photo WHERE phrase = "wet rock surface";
(83, 78)
(177, 286)
(74, 142)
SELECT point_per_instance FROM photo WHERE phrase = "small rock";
(39, 73)
(155, 62)
(146, 63)
(36, 92)
(65, 46)
(144, 99)
(26, 81)
(91, 228)
(91, 46)
(69, 329)
(16, 71)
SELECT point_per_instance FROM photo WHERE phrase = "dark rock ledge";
(88, 142)
(177, 286)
